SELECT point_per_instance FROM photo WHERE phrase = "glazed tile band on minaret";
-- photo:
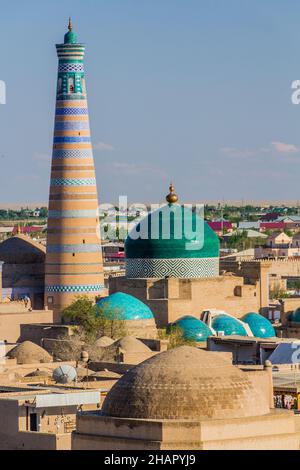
(74, 257)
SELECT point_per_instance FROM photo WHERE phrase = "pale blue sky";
(197, 91)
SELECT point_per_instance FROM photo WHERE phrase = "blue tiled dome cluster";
(229, 325)
(193, 329)
(126, 306)
(260, 326)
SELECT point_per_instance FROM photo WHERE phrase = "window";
(33, 422)
(71, 85)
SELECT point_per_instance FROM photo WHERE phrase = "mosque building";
(168, 249)
(176, 273)
(74, 258)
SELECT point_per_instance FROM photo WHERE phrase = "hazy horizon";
(235, 203)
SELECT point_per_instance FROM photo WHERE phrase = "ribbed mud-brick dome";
(185, 383)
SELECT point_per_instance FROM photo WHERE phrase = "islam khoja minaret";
(74, 258)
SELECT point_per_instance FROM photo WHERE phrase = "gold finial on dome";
(172, 196)
(70, 26)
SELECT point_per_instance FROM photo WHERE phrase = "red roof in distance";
(272, 225)
(218, 225)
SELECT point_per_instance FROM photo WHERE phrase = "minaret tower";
(74, 258)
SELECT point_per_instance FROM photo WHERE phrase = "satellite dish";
(64, 374)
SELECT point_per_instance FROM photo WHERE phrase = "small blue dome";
(260, 326)
(126, 307)
(229, 325)
(295, 316)
(193, 329)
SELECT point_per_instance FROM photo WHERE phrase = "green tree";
(175, 336)
(110, 322)
(93, 321)
(81, 312)
(43, 212)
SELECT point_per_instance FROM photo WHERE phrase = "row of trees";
(23, 214)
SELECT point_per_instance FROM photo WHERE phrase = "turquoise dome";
(70, 38)
(193, 329)
(229, 325)
(126, 307)
(295, 315)
(260, 326)
(173, 239)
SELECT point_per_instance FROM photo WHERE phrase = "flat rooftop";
(51, 396)
(251, 339)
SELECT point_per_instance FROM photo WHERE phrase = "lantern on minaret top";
(70, 69)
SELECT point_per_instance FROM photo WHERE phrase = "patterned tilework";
(71, 153)
(75, 288)
(71, 111)
(181, 268)
(66, 50)
(70, 68)
(73, 181)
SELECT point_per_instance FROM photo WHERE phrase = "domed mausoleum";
(172, 265)
(260, 326)
(192, 328)
(228, 325)
(137, 316)
(172, 241)
(187, 398)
